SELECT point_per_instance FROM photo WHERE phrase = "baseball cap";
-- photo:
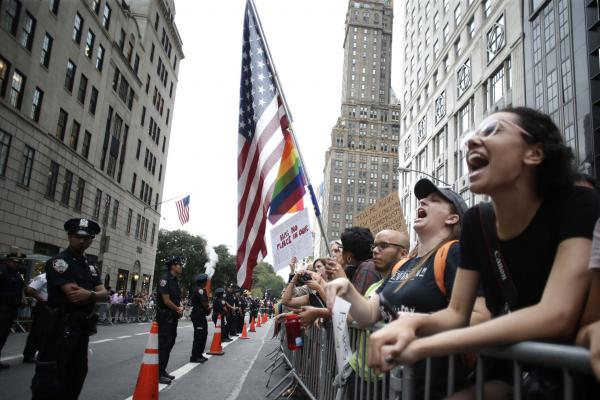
(424, 187)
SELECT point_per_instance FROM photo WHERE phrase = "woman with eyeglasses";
(412, 285)
(529, 250)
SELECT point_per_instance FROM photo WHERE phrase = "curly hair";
(358, 240)
(557, 170)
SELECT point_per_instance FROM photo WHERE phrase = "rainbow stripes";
(289, 185)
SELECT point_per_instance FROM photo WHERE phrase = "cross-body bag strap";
(497, 263)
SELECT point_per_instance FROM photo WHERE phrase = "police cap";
(16, 255)
(201, 277)
(82, 227)
(173, 260)
(220, 290)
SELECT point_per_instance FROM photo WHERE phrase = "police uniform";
(219, 309)
(11, 294)
(62, 360)
(230, 315)
(167, 318)
(200, 309)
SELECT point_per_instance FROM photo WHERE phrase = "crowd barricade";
(313, 368)
(132, 311)
(103, 311)
(24, 314)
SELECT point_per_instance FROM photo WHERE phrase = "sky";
(306, 41)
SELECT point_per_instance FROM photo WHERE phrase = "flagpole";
(289, 114)
(164, 201)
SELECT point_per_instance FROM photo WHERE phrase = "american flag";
(260, 146)
(183, 209)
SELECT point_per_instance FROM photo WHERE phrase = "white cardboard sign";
(340, 332)
(290, 238)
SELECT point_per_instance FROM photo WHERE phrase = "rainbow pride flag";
(289, 187)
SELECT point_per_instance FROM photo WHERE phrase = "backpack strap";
(439, 265)
(399, 265)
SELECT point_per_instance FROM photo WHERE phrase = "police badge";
(60, 265)
(200, 291)
(93, 270)
(163, 282)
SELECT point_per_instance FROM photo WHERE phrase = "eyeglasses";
(490, 128)
(384, 245)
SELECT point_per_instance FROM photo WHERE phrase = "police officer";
(69, 319)
(200, 310)
(219, 308)
(230, 312)
(38, 289)
(11, 293)
(167, 315)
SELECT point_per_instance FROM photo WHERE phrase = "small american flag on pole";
(183, 209)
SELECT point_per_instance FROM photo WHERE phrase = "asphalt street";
(116, 351)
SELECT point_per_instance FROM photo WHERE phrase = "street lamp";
(402, 169)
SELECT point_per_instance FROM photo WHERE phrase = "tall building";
(562, 71)
(462, 59)
(361, 163)
(86, 102)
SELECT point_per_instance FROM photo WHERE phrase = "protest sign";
(291, 237)
(386, 213)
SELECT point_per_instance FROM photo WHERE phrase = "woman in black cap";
(200, 310)
(529, 248)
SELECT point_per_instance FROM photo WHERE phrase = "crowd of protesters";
(514, 269)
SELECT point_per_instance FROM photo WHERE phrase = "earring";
(348, 259)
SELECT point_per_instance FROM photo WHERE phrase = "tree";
(225, 272)
(190, 247)
(264, 278)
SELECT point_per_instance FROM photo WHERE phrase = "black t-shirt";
(67, 268)
(199, 302)
(169, 285)
(421, 294)
(529, 256)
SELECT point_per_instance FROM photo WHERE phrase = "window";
(122, 40)
(5, 140)
(79, 194)
(12, 13)
(471, 27)
(70, 75)
(421, 130)
(16, 89)
(463, 77)
(93, 100)
(133, 183)
(77, 28)
(436, 49)
(496, 86)
(129, 217)
(487, 7)
(115, 214)
(440, 106)
(66, 189)
(46, 50)
(439, 143)
(27, 31)
(74, 139)
(99, 57)
(457, 15)
(95, 4)
(36, 104)
(83, 82)
(495, 38)
(106, 16)
(28, 155)
(436, 21)
(89, 43)
(53, 6)
(52, 180)
(464, 118)
(61, 126)
(446, 33)
(85, 148)
(97, 204)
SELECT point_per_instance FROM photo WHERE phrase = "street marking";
(142, 333)
(101, 341)
(11, 357)
(124, 337)
(186, 326)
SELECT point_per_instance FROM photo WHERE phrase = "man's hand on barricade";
(388, 346)
(337, 287)
(334, 270)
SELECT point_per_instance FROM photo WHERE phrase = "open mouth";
(421, 213)
(476, 161)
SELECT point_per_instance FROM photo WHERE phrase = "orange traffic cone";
(146, 387)
(244, 333)
(252, 325)
(265, 318)
(215, 347)
(258, 320)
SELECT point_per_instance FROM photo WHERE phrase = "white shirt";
(40, 285)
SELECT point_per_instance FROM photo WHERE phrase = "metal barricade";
(131, 312)
(103, 311)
